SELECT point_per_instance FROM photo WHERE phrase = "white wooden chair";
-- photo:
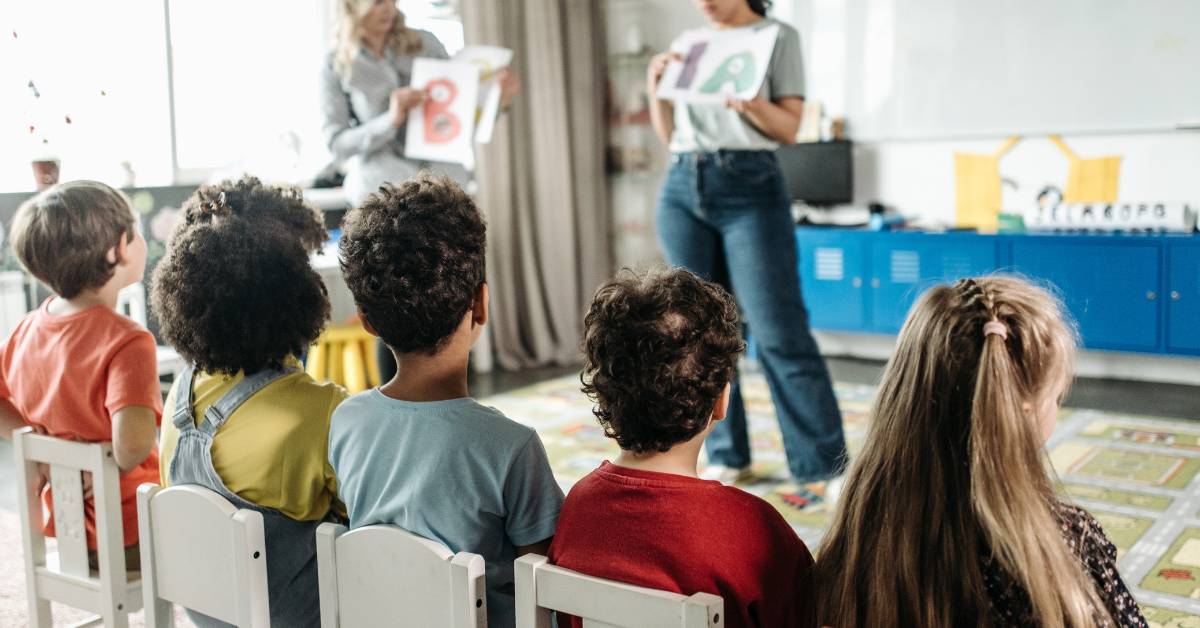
(542, 588)
(384, 576)
(131, 301)
(64, 576)
(201, 553)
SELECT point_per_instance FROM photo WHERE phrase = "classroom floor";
(1128, 451)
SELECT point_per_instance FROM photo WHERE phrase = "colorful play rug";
(1137, 475)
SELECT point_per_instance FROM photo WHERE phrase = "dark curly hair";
(658, 350)
(413, 256)
(235, 291)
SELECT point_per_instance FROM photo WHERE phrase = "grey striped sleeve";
(346, 135)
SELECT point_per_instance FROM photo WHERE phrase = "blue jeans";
(725, 216)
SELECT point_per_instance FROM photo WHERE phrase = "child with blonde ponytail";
(949, 517)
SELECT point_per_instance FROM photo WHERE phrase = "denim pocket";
(752, 168)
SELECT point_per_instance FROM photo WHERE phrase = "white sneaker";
(726, 475)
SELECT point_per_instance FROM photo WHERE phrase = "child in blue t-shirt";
(418, 452)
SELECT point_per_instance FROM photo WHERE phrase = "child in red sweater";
(660, 350)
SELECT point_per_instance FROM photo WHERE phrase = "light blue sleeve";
(532, 498)
(786, 73)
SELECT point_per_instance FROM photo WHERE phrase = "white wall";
(917, 176)
(633, 26)
(649, 23)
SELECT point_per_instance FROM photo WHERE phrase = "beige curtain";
(541, 179)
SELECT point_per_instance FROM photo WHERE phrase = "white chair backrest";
(382, 575)
(131, 301)
(542, 588)
(201, 553)
(14, 299)
(69, 580)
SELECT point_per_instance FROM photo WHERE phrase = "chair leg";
(39, 613)
(160, 614)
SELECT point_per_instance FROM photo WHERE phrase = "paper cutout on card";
(718, 65)
(977, 187)
(441, 125)
(490, 59)
(737, 69)
(1091, 180)
(442, 129)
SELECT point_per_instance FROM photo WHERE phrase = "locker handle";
(1175, 296)
(1150, 295)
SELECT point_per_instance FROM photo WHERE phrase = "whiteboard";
(929, 69)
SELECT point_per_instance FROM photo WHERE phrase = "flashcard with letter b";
(443, 127)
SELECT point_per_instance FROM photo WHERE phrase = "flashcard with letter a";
(443, 127)
(717, 65)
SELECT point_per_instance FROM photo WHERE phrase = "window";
(243, 84)
(245, 79)
(437, 17)
(84, 82)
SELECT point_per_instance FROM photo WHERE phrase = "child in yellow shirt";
(237, 298)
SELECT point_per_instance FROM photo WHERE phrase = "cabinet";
(833, 271)
(1111, 287)
(904, 265)
(1126, 292)
(1183, 297)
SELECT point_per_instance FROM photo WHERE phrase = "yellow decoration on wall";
(1092, 180)
(977, 187)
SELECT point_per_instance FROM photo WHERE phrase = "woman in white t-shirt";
(724, 214)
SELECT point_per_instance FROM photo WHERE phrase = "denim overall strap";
(219, 412)
(192, 462)
(183, 418)
(290, 544)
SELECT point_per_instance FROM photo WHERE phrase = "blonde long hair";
(954, 470)
(347, 38)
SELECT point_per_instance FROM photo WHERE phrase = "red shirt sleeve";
(133, 376)
(788, 596)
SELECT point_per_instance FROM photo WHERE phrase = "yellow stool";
(344, 354)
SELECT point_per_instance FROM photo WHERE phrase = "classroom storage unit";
(833, 270)
(1183, 296)
(1127, 292)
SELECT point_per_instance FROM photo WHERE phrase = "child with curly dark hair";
(418, 452)
(237, 298)
(659, 351)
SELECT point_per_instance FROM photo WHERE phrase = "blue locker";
(904, 265)
(1183, 294)
(833, 271)
(1110, 285)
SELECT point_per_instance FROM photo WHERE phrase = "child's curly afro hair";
(235, 291)
(658, 349)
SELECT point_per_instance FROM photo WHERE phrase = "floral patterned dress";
(1010, 604)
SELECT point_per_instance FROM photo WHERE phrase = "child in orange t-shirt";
(75, 368)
